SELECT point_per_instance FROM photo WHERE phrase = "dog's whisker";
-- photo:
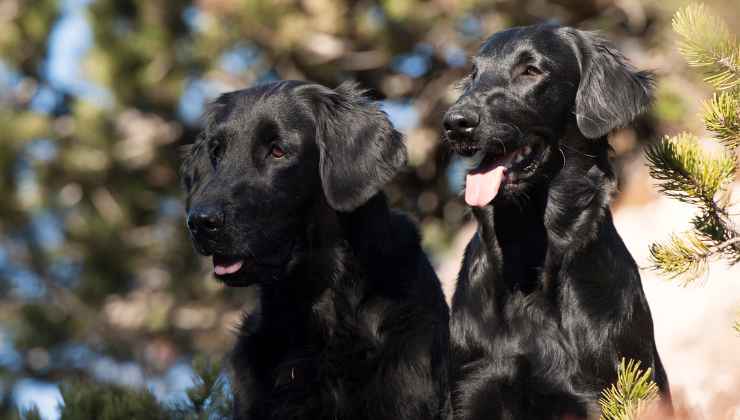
(577, 151)
(503, 145)
(560, 149)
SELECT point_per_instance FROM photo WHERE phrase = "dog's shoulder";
(406, 225)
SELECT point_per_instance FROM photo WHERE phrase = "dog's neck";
(340, 267)
(334, 245)
(538, 234)
(578, 195)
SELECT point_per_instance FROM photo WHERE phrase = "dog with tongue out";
(284, 191)
(481, 187)
(223, 266)
(548, 299)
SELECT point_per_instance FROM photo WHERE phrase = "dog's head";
(268, 157)
(529, 86)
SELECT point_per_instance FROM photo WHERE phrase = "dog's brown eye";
(276, 151)
(531, 71)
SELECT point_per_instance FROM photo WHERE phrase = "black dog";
(283, 191)
(548, 298)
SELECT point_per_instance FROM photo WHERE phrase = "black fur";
(548, 298)
(352, 323)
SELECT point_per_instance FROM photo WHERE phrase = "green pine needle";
(708, 43)
(686, 172)
(208, 399)
(633, 390)
(207, 392)
(710, 227)
(722, 117)
(31, 414)
(108, 402)
(681, 256)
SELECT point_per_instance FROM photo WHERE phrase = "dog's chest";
(332, 368)
(356, 340)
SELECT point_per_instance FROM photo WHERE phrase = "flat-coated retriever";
(548, 298)
(284, 192)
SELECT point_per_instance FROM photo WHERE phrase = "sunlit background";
(97, 276)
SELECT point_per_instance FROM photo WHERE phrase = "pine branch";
(208, 398)
(722, 117)
(684, 171)
(687, 173)
(687, 256)
(83, 401)
(716, 228)
(708, 43)
(31, 414)
(633, 391)
(208, 395)
(730, 245)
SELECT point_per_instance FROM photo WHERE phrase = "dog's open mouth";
(489, 171)
(231, 269)
(241, 270)
(223, 265)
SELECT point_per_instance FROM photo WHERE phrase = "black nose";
(205, 219)
(461, 121)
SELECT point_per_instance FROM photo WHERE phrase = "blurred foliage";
(98, 279)
(632, 392)
(681, 164)
(109, 402)
(208, 399)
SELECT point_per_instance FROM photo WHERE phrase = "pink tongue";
(227, 269)
(481, 188)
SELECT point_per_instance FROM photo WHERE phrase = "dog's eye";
(472, 76)
(216, 151)
(531, 71)
(276, 151)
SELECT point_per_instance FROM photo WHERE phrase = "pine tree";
(633, 391)
(208, 399)
(687, 172)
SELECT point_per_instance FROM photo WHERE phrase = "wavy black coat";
(548, 298)
(352, 322)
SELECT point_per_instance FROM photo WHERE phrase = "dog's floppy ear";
(359, 150)
(611, 92)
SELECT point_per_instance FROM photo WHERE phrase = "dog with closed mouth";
(548, 299)
(283, 191)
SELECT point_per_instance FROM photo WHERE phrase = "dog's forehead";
(544, 39)
(241, 111)
(255, 102)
